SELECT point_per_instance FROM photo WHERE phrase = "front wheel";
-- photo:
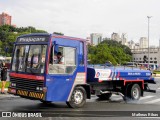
(78, 98)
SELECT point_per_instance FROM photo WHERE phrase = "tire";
(78, 98)
(105, 96)
(135, 92)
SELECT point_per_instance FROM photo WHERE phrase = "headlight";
(37, 88)
(44, 89)
(13, 84)
(40, 88)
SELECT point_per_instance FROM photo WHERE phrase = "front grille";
(26, 84)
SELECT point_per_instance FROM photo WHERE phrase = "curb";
(156, 75)
(6, 95)
(5, 89)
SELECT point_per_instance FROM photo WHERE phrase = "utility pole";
(159, 43)
(148, 40)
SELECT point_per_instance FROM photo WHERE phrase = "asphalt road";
(93, 108)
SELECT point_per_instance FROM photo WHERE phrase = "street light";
(148, 39)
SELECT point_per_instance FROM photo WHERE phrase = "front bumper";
(27, 94)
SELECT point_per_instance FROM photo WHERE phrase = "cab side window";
(81, 56)
(62, 61)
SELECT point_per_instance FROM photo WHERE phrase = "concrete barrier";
(5, 89)
(157, 75)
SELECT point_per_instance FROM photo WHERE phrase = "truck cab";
(50, 68)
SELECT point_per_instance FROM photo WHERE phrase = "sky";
(79, 18)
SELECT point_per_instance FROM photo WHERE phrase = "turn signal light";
(44, 89)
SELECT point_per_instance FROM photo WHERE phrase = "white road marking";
(119, 98)
(146, 97)
(114, 95)
(153, 101)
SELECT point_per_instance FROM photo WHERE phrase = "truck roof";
(35, 34)
(68, 37)
(54, 35)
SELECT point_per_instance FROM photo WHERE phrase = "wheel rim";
(78, 96)
(135, 93)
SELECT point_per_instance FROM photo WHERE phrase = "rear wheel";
(78, 98)
(105, 96)
(135, 92)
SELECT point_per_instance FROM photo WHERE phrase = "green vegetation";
(58, 33)
(109, 50)
(156, 72)
(7, 84)
(8, 35)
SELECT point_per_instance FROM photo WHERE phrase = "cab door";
(61, 75)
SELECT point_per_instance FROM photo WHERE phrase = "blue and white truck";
(35, 74)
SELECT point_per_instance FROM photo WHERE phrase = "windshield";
(29, 58)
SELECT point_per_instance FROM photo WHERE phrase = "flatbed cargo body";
(118, 80)
(117, 73)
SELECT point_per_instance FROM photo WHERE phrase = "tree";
(8, 35)
(109, 50)
(58, 33)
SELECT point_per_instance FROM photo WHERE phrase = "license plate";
(13, 91)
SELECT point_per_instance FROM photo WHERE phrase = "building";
(96, 38)
(124, 39)
(143, 42)
(5, 19)
(88, 41)
(116, 37)
(140, 54)
(137, 46)
(106, 38)
(131, 44)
